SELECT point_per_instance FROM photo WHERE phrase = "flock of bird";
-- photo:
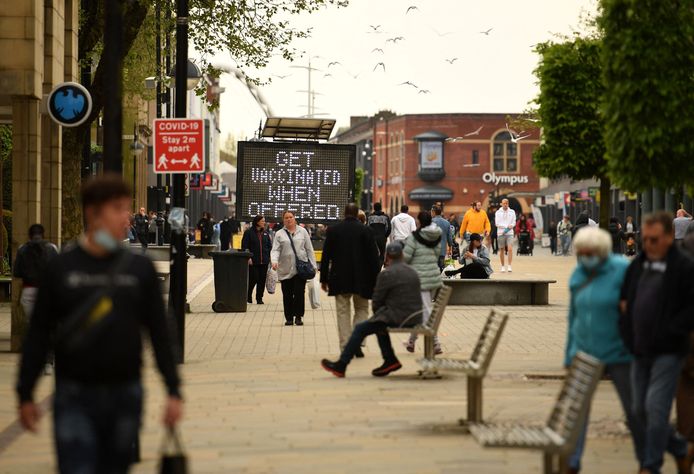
(381, 65)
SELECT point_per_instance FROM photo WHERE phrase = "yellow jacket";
(475, 222)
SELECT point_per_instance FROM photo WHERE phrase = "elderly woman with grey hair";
(595, 287)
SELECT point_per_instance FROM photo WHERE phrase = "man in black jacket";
(380, 225)
(142, 227)
(396, 302)
(348, 270)
(657, 305)
(95, 299)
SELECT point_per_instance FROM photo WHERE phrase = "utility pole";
(157, 27)
(310, 93)
(178, 283)
(113, 89)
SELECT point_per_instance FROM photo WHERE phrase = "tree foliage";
(648, 59)
(358, 185)
(568, 107)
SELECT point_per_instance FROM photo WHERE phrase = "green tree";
(569, 76)
(251, 31)
(647, 62)
(358, 185)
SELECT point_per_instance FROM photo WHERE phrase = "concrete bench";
(502, 292)
(476, 366)
(557, 438)
(201, 250)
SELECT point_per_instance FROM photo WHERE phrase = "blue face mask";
(589, 262)
(105, 240)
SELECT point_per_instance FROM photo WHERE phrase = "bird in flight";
(377, 50)
(516, 138)
(354, 76)
(411, 8)
(424, 91)
(334, 63)
(380, 64)
(327, 75)
(451, 61)
(375, 29)
(476, 132)
(395, 40)
(408, 83)
(441, 35)
(456, 139)
(281, 77)
(486, 32)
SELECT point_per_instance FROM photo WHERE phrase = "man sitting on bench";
(396, 302)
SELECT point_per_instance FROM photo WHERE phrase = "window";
(505, 153)
(475, 157)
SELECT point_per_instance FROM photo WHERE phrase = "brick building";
(419, 159)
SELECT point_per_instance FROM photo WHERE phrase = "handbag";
(314, 294)
(271, 281)
(304, 269)
(173, 460)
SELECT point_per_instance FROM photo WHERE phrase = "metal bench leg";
(563, 464)
(474, 401)
(548, 463)
(429, 354)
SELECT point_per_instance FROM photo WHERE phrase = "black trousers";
(293, 297)
(381, 244)
(366, 328)
(256, 277)
(143, 238)
(473, 271)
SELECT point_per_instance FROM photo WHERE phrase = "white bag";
(448, 268)
(271, 281)
(314, 293)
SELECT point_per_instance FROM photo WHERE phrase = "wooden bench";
(502, 291)
(429, 329)
(557, 439)
(476, 367)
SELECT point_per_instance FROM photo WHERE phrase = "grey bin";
(230, 281)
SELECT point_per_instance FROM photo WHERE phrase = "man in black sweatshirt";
(92, 304)
(380, 225)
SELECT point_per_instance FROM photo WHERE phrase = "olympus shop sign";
(493, 178)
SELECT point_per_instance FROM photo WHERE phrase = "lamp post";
(136, 149)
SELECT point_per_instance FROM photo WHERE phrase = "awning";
(431, 193)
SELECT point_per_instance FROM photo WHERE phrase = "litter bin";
(230, 281)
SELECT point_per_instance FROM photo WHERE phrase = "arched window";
(505, 153)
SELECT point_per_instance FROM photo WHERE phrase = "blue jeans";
(621, 379)
(363, 329)
(96, 426)
(654, 382)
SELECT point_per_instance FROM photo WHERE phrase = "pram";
(525, 246)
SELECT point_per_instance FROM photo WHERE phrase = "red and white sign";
(179, 146)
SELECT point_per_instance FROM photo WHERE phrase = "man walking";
(475, 221)
(564, 235)
(446, 234)
(95, 299)
(505, 220)
(396, 303)
(681, 224)
(402, 225)
(32, 259)
(142, 227)
(380, 225)
(657, 305)
(348, 271)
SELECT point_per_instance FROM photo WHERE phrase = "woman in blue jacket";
(257, 240)
(593, 323)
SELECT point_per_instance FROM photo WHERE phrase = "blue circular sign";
(69, 104)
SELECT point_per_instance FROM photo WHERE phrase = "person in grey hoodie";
(402, 225)
(422, 249)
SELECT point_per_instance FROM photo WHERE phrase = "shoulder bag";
(304, 269)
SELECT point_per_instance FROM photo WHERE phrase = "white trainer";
(509, 269)
(503, 269)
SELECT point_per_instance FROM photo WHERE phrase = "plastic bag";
(271, 281)
(449, 267)
(314, 293)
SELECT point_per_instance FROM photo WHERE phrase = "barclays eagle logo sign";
(69, 104)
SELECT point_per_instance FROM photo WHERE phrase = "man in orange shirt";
(475, 222)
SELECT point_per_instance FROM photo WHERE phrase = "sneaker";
(250, 301)
(298, 321)
(449, 273)
(503, 269)
(510, 269)
(410, 346)
(438, 350)
(289, 323)
(336, 368)
(359, 354)
(259, 302)
(386, 368)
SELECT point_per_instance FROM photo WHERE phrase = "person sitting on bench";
(396, 302)
(475, 260)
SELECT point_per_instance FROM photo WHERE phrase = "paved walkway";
(258, 401)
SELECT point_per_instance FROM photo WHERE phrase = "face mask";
(589, 262)
(105, 240)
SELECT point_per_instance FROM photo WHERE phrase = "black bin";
(230, 281)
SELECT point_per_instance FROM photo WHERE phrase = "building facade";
(455, 159)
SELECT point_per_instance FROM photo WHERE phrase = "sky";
(492, 73)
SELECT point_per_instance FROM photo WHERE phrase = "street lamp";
(193, 74)
(136, 149)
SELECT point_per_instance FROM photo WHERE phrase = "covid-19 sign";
(313, 181)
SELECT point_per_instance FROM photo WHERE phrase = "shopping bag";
(314, 293)
(173, 459)
(271, 281)
(449, 267)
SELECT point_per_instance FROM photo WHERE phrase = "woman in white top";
(284, 261)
